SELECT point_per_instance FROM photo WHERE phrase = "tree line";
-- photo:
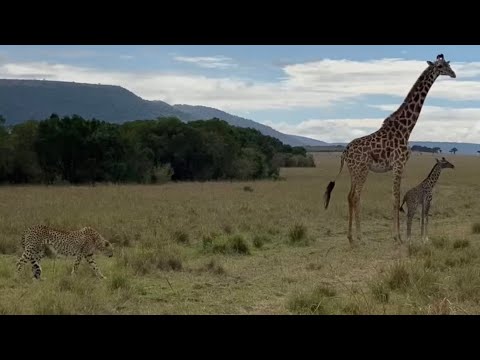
(77, 150)
(426, 149)
(434, 150)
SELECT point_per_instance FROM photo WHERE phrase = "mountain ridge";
(203, 112)
(26, 99)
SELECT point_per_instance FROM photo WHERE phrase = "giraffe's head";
(442, 67)
(445, 164)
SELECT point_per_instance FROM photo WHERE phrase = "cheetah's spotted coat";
(81, 243)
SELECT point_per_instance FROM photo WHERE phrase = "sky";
(329, 93)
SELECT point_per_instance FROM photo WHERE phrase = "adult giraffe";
(387, 148)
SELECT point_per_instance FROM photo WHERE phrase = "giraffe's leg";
(427, 209)
(397, 179)
(411, 209)
(422, 217)
(350, 211)
(360, 179)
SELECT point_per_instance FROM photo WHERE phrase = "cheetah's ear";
(437, 160)
(443, 159)
(429, 63)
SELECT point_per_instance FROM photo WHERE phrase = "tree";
(422, 149)
(24, 161)
(5, 151)
(453, 150)
(77, 150)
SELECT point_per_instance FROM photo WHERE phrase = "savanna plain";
(255, 247)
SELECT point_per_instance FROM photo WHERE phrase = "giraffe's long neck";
(432, 178)
(406, 116)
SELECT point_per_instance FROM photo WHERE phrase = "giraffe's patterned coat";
(422, 194)
(387, 148)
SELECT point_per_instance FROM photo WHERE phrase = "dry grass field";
(265, 247)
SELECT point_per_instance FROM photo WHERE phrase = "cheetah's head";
(106, 247)
(102, 245)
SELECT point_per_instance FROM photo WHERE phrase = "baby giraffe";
(422, 195)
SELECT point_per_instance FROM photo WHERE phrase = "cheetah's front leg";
(36, 268)
(21, 263)
(94, 266)
(78, 259)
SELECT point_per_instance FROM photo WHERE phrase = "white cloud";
(435, 124)
(352, 79)
(73, 53)
(212, 62)
(225, 93)
(314, 84)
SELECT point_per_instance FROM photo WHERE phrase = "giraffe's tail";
(328, 192)
(331, 184)
(401, 206)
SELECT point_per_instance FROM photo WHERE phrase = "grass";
(476, 228)
(220, 248)
(319, 301)
(297, 233)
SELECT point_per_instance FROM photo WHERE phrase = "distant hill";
(308, 141)
(325, 148)
(463, 148)
(22, 100)
(204, 112)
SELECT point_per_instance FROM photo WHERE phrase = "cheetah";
(81, 243)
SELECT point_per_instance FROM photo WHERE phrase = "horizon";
(328, 93)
